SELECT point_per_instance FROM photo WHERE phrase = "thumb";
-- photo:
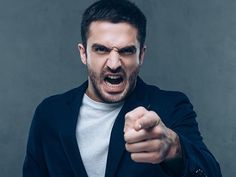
(149, 120)
(132, 116)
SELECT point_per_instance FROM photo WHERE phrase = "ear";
(142, 53)
(82, 51)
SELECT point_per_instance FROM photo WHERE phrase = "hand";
(148, 139)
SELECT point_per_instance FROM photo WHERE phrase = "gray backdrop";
(191, 48)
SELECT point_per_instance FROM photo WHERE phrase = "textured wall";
(191, 48)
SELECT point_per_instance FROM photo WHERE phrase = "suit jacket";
(52, 149)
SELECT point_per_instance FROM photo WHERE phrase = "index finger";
(132, 116)
(148, 120)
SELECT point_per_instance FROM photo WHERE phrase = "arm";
(178, 147)
(34, 165)
(196, 158)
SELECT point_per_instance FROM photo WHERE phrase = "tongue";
(114, 81)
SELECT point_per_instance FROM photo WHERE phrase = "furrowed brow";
(131, 48)
(95, 46)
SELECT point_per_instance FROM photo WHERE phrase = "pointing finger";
(148, 120)
(132, 116)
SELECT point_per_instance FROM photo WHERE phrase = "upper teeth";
(114, 77)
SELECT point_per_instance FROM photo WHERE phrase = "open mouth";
(114, 79)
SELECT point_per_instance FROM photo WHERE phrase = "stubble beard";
(95, 79)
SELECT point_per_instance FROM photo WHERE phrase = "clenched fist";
(148, 139)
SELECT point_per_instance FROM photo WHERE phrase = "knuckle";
(141, 109)
(153, 114)
(159, 131)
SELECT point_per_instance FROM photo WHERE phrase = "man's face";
(113, 59)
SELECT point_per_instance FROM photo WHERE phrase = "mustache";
(118, 70)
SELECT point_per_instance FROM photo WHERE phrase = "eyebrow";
(130, 47)
(100, 45)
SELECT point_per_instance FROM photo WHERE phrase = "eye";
(101, 49)
(127, 51)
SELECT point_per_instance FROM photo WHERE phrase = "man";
(114, 124)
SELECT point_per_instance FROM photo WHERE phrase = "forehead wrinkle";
(113, 47)
(116, 44)
(105, 33)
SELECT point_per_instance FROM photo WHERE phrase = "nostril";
(113, 62)
(115, 70)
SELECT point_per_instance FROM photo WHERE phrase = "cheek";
(131, 65)
(95, 63)
(133, 61)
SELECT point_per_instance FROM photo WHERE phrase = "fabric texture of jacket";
(52, 149)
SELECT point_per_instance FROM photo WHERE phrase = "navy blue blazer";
(52, 149)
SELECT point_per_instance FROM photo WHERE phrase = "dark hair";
(114, 11)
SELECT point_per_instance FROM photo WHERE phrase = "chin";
(113, 98)
(110, 97)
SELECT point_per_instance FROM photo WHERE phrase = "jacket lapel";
(68, 135)
(117, 143)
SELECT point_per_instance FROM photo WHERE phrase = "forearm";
(174, 165)
(190, 160)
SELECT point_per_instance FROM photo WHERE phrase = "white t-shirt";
(93, 132)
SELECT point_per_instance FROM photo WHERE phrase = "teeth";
(113, 77)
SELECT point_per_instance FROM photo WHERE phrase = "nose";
(113, 61)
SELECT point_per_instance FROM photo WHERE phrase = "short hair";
(114, 11)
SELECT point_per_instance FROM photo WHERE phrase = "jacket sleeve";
(34, 164)
(197, 160)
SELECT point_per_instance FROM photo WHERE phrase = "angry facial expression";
(113, 58)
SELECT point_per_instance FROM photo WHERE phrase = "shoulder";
(51, 107)
(52, 111)
(159, 97)
(60, 100)
(165, 96)
(60, 106)
(173, 107)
